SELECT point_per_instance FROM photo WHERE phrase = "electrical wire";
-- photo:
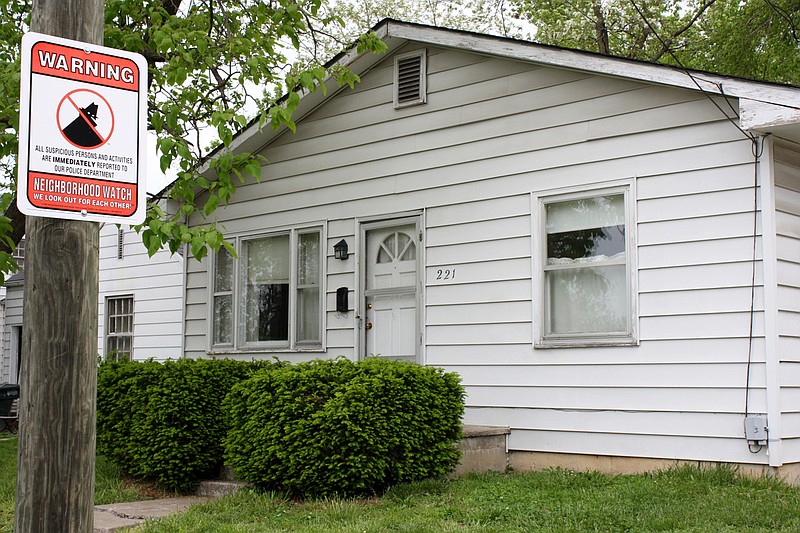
(757, 150)
(756, 154)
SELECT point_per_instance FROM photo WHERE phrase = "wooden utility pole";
(58, 384)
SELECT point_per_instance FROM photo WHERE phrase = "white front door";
(391, 291)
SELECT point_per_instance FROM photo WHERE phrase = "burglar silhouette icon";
(81, 131)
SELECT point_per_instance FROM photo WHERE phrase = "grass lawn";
(685, 499)
(110, 486)
(680, 500)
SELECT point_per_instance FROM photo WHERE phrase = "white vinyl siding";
(492, 133)
(787, 219)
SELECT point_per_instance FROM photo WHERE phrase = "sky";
(156, 180)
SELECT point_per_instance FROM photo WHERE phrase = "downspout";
(765, 170)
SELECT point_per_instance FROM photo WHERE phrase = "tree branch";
(677, 33)
(17, 226)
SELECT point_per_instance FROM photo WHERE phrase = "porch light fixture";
(340, 250)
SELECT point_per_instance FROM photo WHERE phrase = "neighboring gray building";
(140, 303)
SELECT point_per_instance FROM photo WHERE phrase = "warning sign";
(82, 131)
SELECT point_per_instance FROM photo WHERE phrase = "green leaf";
(253, 169)
(213, 239)
(211, 204)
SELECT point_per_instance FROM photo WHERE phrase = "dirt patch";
(147, 489)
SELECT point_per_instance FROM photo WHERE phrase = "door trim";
(371, 223)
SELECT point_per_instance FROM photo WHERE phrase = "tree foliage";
(756, 39)
(482, 16)
(214, 65)
(751, 38)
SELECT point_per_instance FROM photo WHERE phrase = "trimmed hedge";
(164, 422)
(342, 428)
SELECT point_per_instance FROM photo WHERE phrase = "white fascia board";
(782, 121)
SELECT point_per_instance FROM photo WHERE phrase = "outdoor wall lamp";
(340, 250)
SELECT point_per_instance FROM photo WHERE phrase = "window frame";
(116, 335)
(541, 296)
(239, 298)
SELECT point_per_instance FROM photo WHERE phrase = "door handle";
(368, 325)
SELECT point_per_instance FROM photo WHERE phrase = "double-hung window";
(119, 328)
(270, 296)
(585, 289)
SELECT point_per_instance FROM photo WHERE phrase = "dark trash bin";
(8, 393)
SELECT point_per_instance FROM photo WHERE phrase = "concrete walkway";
(121, 516)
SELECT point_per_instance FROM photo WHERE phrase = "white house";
(140, 303)
(140, 298)
(608, 255)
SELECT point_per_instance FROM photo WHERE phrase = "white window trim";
(539, 258)
(292, 345)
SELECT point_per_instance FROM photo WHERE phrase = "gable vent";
(409, 76)
(120, 243)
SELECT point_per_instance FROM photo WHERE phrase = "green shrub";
(343, 428)
(164, 422)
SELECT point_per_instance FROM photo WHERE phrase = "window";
(585, 275)
(271, 296)
(223, 298)
(409, 79)
(119, 327)
(19, 254)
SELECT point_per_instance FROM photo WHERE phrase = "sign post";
(79, 122)
(82, 131)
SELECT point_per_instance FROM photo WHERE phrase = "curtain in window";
(588, 300)
(223, 298)
(308, 279)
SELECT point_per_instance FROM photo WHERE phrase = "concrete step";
(216, 488)
(483, 449)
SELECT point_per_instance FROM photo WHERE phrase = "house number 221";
(450, 273)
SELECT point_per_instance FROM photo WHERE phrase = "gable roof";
(763, 106)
